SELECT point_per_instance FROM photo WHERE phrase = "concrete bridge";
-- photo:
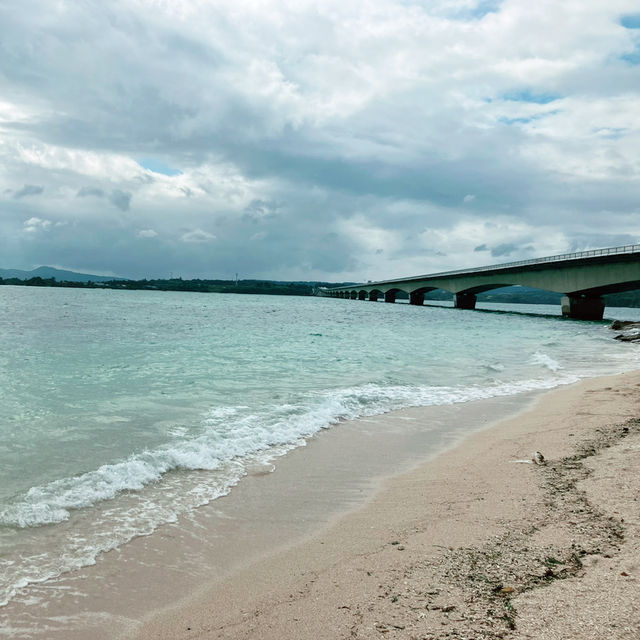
(582, 277)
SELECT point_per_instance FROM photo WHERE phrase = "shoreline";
(274, 507)
(404, 565)
(380, 491)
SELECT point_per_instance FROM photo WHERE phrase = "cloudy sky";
(332, 140)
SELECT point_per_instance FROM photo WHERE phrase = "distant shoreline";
(510, 295)
(267, 287)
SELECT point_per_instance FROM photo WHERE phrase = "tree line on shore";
(178, 284)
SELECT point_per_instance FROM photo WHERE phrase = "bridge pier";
(373, 296)
(362, 295)
(390, 296)
(354, 295)
(465, 301)
(583, 307)
(416, 298)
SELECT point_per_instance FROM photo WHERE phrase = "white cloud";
(197, 236)
(34, 224)
(147, 233)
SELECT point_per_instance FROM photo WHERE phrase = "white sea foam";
(226, 439)
(546, 361)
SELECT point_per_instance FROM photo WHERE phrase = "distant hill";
(51, 272)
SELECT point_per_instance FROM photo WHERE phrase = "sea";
(122, 411)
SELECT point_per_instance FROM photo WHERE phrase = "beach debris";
(630, 330)
(631, 336)
(506, 590)
(537, 458)
(618, 325)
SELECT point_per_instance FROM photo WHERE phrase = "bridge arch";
(391, 293)
(467, 298)
(416, 296)
(618, 287)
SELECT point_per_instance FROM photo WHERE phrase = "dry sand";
(472, 544)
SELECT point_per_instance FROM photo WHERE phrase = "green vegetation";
(178, 284)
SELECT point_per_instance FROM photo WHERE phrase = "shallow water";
(123, 410)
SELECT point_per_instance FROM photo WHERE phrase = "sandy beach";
(479, 542)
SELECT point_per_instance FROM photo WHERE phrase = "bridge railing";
(591, 253)
(629, 248)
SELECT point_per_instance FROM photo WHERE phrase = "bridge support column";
(390, 296)
(416, 297)
(362, 295)
(583, 308)
(465, 301)
(354, 295)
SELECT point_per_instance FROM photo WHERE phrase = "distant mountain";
(523, 295)
(51, 272)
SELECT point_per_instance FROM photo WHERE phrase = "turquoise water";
(124, 410)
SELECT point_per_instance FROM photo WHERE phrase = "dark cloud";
(509, 248)
(481, 247)
(28, 190)
(90, 191)
(120, 199)
(505, 249)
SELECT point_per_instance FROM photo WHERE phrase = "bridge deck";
(583, 276)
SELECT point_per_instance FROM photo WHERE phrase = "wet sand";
(472, 544)
(399, 526)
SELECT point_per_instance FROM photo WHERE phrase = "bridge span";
(582, 277)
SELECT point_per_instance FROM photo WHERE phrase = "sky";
(334, 140)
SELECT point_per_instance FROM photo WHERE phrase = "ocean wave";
(231, 444)
(229, 435)
(546, 361)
